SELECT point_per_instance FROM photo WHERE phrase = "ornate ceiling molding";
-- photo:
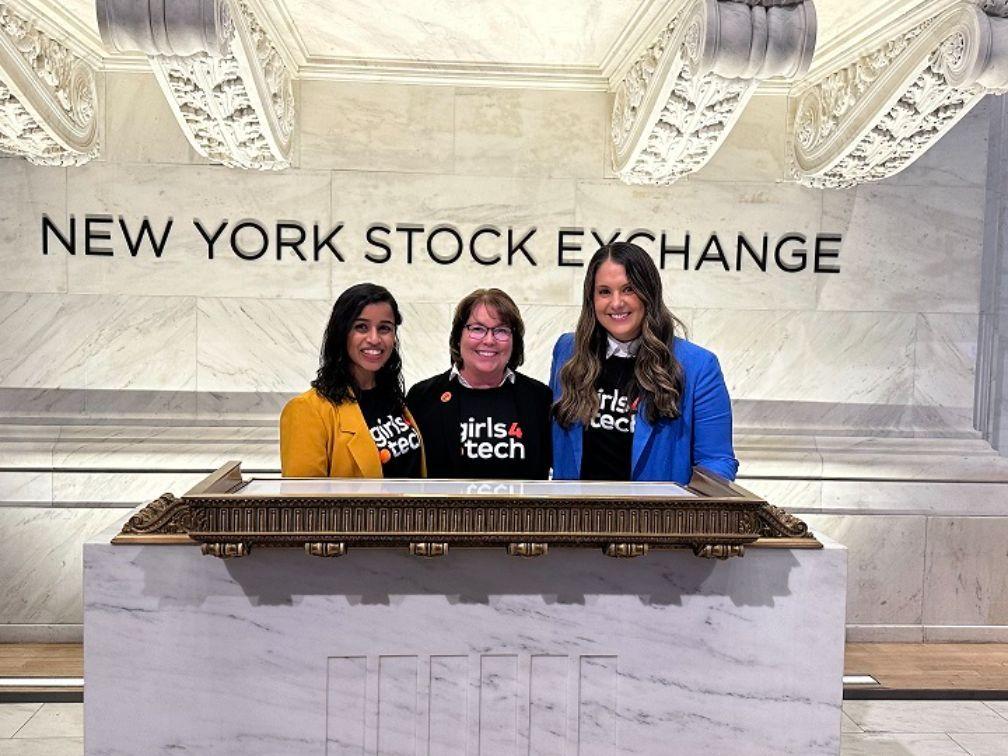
(678, 102)
(874, 117)
(48, 99)
(228, 84)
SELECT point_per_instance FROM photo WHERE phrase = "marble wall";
(887, 343)
(122, 377)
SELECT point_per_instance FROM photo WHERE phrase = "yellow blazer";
(319, 439)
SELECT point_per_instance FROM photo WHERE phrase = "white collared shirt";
(509, 377)
(622, 348)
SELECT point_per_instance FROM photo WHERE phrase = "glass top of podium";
(544, 489)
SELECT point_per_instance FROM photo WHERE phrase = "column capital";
(48, 98)
(229, 87)
(873, 117)
(681, 98)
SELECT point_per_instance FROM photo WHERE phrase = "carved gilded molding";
(679, 101)
(874, 117)
(227, 83)
(48, 99)
(716, 520)
(166, 515)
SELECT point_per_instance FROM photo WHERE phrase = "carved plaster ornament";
(874, 117)
(47, 95)
(679, 101)
(229, 87)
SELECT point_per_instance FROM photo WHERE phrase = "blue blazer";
(667, 450)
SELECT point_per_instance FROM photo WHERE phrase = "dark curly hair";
(335, 379)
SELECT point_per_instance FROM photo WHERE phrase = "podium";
(481, 649)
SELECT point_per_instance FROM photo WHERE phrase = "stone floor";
(873, 728)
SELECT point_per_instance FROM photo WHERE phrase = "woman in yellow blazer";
(353, 422)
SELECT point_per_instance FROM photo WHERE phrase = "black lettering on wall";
(326, 241)
(563, 246)
(799, 254)
(69, 244)
(380, 243)
(293, 244)
(409, 230)
(705, 256)
(92, 235)
(253, 254)
(831, 253)
(667, 251)
(210, 240)
(145, 230)
(513, 248)
(436, 256)
(491, 230)
(640, 233)
(761, 259)
(603, 242)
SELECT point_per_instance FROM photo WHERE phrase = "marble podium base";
(476, 652)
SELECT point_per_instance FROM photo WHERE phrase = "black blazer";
(438, 422)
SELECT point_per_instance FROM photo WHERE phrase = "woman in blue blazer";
(632, 401)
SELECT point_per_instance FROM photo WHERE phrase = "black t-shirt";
(397, 441)
(607, 444)
(444, 410)
(492, 441)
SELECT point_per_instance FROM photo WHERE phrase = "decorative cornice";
(48, 98)
(875, 116)
(680, 100)
(227, 82)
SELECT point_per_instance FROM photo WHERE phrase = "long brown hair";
(658, 376)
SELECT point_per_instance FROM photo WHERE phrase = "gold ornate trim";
(165, 515)
(717, 523)
(325, 549)
(428, 549)
(719, 550)
(776, 523)
(527, 550)
(227, 550)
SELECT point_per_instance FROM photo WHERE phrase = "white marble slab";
(14, 715)
(828, 357)
(141, 343)
(966, 571)
(944, 364)
(527, 132)
(140, 123)
(27, 193)
(37, 346)
(753, 151)
(41, 561)
(423, 339)
(906, 248)
(474, 651)
(259, 345)
(376, 127)
(885, 565)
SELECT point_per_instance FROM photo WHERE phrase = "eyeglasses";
(478, 332)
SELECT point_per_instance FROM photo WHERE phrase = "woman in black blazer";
(481, 419)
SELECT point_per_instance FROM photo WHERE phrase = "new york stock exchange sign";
(443, 243)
